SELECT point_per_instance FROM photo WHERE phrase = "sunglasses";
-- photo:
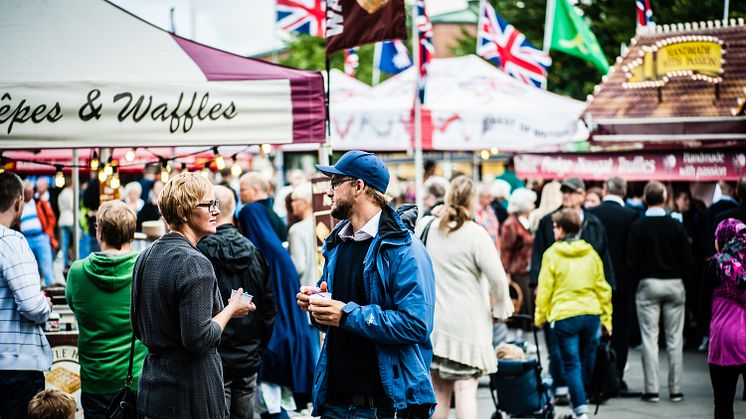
(335, 182)
(212, 206)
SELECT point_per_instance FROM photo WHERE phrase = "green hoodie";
(98, 292)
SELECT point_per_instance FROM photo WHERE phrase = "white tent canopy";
(472, 105)
(79, 73)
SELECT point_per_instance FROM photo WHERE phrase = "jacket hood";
(573, 248)
(110, 272)
(228, 249)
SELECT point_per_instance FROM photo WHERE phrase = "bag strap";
(426, 231)
(136, 278)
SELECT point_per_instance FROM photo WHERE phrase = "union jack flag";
(301, 16)
(352, 60)
(644, 14)
(427, 50)
(500, 42)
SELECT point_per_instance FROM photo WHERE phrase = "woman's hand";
(237, 307)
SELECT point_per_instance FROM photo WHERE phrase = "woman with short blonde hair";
(466, 263)
(178, 312)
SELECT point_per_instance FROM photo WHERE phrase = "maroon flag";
(350, 23)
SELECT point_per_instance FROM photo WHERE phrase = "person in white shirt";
(301, 236)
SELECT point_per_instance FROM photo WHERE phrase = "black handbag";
(426, 231)
(124, 404)
(605, 380)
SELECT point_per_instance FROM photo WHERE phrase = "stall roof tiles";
(681, 97)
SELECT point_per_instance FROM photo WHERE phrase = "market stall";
(87, 74)
(670, 109)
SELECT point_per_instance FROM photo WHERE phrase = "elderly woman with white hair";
(515, 246)
(500, 191)
(132, 193)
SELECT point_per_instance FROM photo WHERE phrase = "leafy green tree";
(309, 53)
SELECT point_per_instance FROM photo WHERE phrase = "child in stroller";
(517, 388)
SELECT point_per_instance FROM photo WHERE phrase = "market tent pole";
(726, 9)
(418, 164)
(377, 63)
(76, 206)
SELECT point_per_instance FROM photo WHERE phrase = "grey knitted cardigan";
(178, 295)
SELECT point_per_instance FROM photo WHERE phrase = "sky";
(244, 27)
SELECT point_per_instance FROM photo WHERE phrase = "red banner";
(350, 23)
(705, 166)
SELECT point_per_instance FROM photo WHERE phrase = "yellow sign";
(699, 60)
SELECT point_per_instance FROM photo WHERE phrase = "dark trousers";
(724, 381)
(349, 411)
(17, 388)
(623, 304)
(95, 405)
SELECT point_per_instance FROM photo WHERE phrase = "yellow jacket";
(572, 283)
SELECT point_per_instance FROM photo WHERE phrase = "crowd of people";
(411, 306)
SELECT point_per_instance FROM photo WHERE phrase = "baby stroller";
(517, 388)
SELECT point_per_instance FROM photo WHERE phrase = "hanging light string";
(94, 156)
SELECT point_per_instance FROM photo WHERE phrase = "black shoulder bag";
(426, 231)
(124, 404)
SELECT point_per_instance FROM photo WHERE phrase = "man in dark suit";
(617, 219)
(727, 202)
(738, 212)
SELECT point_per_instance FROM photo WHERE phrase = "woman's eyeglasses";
(212, 206)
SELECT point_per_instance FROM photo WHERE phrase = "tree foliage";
(612, 21)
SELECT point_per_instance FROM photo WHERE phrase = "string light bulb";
(114, 182)
(3, 161)
(59, 178)
(484, 154)
(108, 171)
(94, 162)
(236, 169)
(130, 155)
(266, 148)
(205, 173)
(219, 160)
(102, 176)
(164, 175)
(494, 150)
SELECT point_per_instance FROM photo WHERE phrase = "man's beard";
(342, 209)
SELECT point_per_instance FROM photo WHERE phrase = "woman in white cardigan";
(470, 289)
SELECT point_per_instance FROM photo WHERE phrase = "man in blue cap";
(375, 300)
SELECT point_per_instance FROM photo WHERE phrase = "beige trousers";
(653, 296)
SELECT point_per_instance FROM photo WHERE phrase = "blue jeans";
(42, 249)
(17, 388)
(555, 359)
(338, 411)
(66, 240)
(578, 339)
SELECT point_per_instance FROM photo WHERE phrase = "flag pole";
(726, 9)
(548, 28)
(417, 123)
(377, 50)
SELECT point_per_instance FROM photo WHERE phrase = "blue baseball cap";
(360, 165)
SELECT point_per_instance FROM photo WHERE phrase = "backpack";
(605, 380)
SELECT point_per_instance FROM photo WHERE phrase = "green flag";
(571, 35)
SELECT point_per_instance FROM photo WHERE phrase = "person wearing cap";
(593, 232)
(377, 353)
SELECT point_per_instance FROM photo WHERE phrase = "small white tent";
(470, 105)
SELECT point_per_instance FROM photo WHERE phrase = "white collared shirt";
(614, 198)
(655, 212)
(369, 230)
